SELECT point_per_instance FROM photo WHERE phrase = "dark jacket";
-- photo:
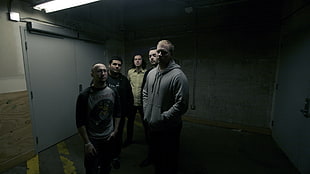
(123, 87)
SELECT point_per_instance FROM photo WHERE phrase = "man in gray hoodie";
(165, 100)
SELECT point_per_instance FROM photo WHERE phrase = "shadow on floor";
(204, 150)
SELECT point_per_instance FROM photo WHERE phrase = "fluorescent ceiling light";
(56, 5)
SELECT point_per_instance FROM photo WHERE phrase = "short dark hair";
(152, 48)
(115, 58)
(143, 61)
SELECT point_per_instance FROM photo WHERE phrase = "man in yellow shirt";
(135, 77)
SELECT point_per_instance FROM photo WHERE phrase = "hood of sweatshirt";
(164, 102)
(172, 65)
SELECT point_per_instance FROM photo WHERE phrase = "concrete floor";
(204, 150)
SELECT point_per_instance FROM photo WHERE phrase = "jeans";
(101, 162)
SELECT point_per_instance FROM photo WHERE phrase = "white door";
(53, 87)
(56, 68)
(291, 128)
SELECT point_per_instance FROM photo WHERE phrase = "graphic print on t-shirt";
(101, 115)
(114, 85)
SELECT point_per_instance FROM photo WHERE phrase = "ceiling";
(145, 16)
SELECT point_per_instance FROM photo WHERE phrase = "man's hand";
(90, 150)
(112, 135)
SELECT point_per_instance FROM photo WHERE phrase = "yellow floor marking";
(62, 148)
(33, 165)
(68, 165)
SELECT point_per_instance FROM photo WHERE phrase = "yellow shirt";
(136, 79)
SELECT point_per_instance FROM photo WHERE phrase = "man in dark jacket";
(117, 81)
(153, 58)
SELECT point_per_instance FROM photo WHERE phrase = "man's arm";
(83, 134)
(116, 114)
(129, 98)
(81, 112)
(88, 146)
(116, 124)
(145, 94)
(181, 93)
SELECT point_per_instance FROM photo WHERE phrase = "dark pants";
(101, 163)
(164, 146)
(130, 129)
(119, 138)
(131, 121)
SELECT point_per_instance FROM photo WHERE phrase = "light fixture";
(56, 5)
(14, 16)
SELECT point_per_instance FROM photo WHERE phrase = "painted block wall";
(231, 73)
(229, 53)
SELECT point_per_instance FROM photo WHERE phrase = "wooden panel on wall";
(16, 140)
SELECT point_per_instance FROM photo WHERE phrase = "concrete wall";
(230, 59)
(231, 71)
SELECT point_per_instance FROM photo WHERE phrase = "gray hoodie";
(165, 97)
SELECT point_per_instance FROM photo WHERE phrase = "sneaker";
(116, 163)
